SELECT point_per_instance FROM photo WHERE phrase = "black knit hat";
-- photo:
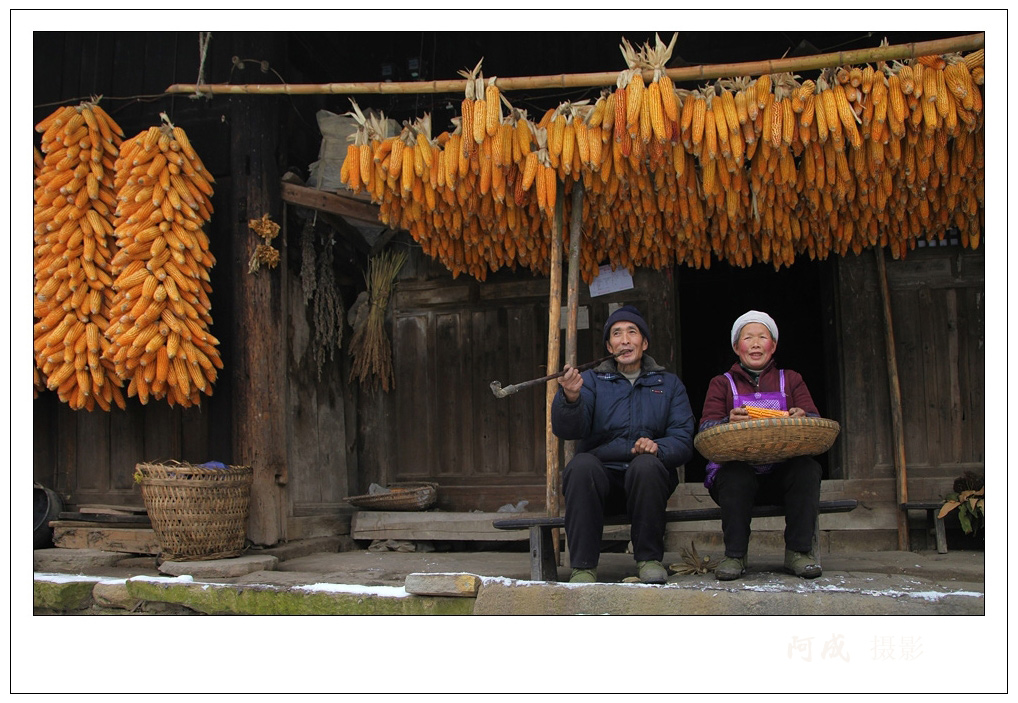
(627, 313)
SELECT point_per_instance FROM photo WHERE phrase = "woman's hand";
(571, 382)
(645, 445)
(796, 412)
(738, 415)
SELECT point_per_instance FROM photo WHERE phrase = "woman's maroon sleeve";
(800, 394)
(718, 402)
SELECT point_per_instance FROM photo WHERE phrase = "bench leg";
(543, 566)
(941, 533)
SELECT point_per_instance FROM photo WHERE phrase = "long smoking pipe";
(500, 392)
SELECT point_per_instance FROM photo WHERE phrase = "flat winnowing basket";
(197, 513)
(766, 441)
(402, 496)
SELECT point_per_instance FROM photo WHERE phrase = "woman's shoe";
(730, 568)
(802, 564)
(583, 576)
(652, 572)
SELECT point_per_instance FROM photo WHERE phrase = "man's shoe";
(583, 576)
(652, 572)
(802, 564)
(730, 568)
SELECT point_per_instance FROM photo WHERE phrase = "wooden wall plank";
(491, 446)
(414, 396)
(127, 448)
(526, 423)
(93, 455)
(453, 407)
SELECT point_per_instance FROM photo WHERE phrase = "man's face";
(625, 337)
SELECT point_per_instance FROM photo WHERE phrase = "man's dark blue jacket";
(611, 414)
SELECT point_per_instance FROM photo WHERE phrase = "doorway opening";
(800, 298)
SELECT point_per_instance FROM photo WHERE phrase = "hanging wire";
(204, 39)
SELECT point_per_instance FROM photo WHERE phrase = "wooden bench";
(933, 522)
(543, 566)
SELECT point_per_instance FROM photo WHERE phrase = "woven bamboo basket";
(419, 495)
(197, 513)
(766, 441)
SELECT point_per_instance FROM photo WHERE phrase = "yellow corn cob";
(847, 116)
(493, 114)
(480, 116)
(669, 101)
(699, 112)
(656, 109)
(731, 113)
(763, 89)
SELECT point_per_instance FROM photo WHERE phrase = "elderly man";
(635, 428)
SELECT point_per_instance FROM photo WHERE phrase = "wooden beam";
(969, 42)
(897, 424)
(551, 450)
(573, 290)
(258, 363)
(329, 202)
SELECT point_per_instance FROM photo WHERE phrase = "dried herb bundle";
(318, 283)
(693, 563)
(370, 345)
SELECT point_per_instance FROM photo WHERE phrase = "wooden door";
(450, 341)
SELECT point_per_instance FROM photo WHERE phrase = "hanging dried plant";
(369, 347)
(265, 253)
(321, 293)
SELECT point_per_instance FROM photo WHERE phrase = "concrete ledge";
(317, 599)
(751, 596)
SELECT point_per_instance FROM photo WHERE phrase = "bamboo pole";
(573, 289)
(551, 454)
(900, 472)
(967, 42)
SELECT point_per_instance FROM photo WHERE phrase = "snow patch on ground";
(385, 591)
(71, 578)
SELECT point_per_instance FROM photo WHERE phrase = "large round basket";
(197, 513)
(419, 495)
(768, 440)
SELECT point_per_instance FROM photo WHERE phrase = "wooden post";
(900, 473)
(554, 320)
(258, 360)
(573, 290)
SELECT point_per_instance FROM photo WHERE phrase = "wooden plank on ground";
(98, 509)
(378, 524)
(107, 518)
(133, 540)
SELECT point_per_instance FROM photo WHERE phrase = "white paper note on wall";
(609, 281)
(582, 317)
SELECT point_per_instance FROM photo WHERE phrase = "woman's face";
(755, 346)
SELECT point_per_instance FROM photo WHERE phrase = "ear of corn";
(766, 171)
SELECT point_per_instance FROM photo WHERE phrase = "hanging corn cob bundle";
(74, 203)
(158, 333)
(744, 170)
(37, 382)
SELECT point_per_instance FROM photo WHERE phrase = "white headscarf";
(754, 316)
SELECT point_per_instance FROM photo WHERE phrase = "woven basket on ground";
(767, 440)
(419, 495)
(197, 513)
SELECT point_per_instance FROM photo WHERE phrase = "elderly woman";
(755, 380)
